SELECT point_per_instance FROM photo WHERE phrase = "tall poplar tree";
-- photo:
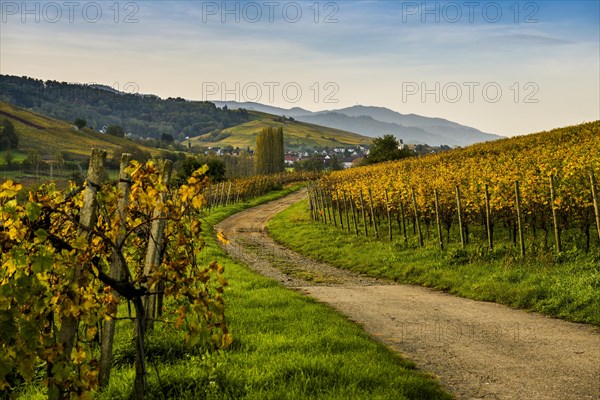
(268, 154)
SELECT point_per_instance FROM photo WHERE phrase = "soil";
(477, 350)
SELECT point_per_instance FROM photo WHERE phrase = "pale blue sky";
(445, 59)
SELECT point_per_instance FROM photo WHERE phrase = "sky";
(504, 67)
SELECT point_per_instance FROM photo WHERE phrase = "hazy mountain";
(366, 125)
(292, 112)
(460, 134)
(386, 115)
(377, 121)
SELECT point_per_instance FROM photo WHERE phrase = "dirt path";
(477, 350)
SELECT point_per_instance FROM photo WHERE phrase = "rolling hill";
(296, 134)
(49, 136)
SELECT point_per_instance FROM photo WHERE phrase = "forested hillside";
(140, 115)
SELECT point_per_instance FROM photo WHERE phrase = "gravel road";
(477, 350)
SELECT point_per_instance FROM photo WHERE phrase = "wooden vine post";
(322, 203)
(595, 197)
(210, 199)
(389, 218)
(155, 244)
(116, 270)
(222, 201)
(310, 203)
(488, 218)
(324, 206)
(330, 197)
(217, 195)
(87, 219)
(346, 211)
(364, 217)
(354, 215)
(402, 220)
(460, 220)
(228, 194)
(437, 218)
(337, 201)
(373, 215)
(417, 223)
(519, 219)
(316, 204)
(327, 200)
(554, 218)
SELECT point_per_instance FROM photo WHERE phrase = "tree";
(336, 163)
(80, 123)
(8, 135)
(386, 148)
(185, 169)
(227, 149)
(269, 154)
(8, 157)
(315, 164)
(34, 159)
(59, 160)
(167, 138)
(115, 130)
(137, 153)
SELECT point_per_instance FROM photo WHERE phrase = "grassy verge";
(286, 347)
(567, 287)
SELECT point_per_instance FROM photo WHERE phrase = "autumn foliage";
(55, 269)
(569, 156)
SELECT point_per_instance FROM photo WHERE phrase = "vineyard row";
(357, 211)
(242, 190)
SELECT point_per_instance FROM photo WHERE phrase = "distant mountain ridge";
(376, 121)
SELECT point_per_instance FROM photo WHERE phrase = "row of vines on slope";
(69, 259)
(539, 182)
(244, 189)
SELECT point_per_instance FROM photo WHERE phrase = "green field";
(296, 134)
(565, 286)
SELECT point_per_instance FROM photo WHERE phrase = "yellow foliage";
(568, 154)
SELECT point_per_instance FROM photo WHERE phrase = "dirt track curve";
(477, 350)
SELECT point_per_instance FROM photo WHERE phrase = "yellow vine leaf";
(222, 238)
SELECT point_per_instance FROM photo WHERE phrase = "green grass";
(286, 346)
(296, 133)
(567, 286)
